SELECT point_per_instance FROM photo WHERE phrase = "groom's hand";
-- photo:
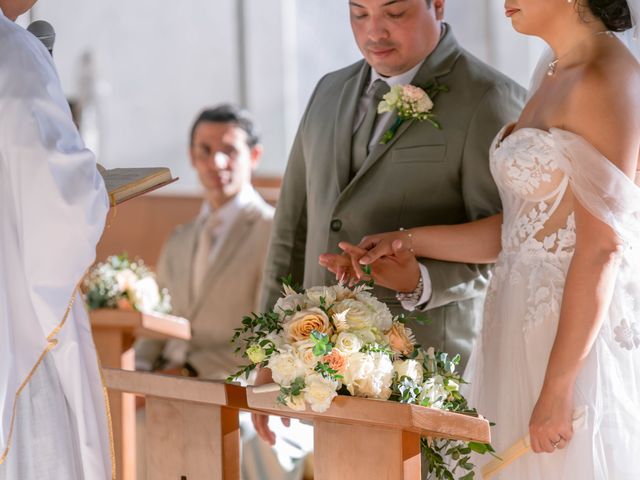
(341, 265)
(261, 421)
(397, 271)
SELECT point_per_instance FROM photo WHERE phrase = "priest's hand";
(261, 421)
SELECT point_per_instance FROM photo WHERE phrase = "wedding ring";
(555, 444)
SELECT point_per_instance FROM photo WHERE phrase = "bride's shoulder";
(611, 81)
(604, 108)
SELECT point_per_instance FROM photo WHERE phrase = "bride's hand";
(397, 271)
(381, 244)
(551, 424)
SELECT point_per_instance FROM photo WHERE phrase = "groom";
(341, 183)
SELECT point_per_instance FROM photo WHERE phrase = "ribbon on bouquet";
(523, 446)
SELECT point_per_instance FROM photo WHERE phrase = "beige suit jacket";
(423, 176)
(230, 290)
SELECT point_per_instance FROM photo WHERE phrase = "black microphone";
(44, 32)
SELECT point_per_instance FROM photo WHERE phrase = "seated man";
(213, 268)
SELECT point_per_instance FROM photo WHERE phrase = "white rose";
(289, 303)
(296, 403)
(125, 279)
(434, 392)
(357, 314)
(319, 392)
(314, 294)
(304, 350)
(145, 294)
(348, 343)
(409, 368)
(369, 375)
(380, 315)
(285, 367)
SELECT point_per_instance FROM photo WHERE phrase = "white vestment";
(53, 205)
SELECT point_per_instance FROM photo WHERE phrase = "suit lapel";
(439, 63)
(347, 108)
(237, 235)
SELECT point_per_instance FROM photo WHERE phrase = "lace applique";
(527, 164)
(628, 335)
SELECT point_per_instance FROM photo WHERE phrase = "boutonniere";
(410, 103)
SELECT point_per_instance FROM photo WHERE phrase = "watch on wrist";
(412, 297)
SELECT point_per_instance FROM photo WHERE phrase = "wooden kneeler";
(192, 428)
(363, 439)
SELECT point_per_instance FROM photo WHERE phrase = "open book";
(126, 183)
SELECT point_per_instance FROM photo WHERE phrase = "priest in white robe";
(53, 205)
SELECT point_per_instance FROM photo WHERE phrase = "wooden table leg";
(190, 441)
(114, 351)
(366, 452)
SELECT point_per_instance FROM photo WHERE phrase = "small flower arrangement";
(327, 341)
(410, 103)
(120, 283)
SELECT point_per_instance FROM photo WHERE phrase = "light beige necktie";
(206, 240)
(362, 136)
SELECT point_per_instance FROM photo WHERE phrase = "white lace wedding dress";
(540, 174)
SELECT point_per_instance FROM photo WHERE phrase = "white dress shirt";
(175, 352)
(226, 216)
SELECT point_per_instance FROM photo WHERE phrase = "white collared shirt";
(382, 120)
(226, 216)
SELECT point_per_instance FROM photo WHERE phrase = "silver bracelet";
(412, 297)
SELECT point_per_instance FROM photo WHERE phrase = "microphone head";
(44, 32)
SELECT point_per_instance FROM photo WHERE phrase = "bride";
(562, 318)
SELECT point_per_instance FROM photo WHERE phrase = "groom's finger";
(355, 254)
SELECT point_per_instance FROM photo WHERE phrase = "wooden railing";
(192, 430)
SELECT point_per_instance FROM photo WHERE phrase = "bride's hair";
(615, 14)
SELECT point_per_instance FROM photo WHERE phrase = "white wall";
(159, 62)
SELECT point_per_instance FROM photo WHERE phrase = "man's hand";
(261, 421)
(397, 271)
(342, 266)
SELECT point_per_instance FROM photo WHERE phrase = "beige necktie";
(206, 240)
(362, 136)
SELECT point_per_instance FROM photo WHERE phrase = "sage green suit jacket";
(423, 176)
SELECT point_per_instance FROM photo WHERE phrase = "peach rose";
(306, 321)
(400, 339)
(336, 360)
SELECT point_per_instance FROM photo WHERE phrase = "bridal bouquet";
(120, 283)
(329, 341)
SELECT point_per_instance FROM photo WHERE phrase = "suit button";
(336, 225)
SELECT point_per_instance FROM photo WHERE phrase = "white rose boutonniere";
(410, 103)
